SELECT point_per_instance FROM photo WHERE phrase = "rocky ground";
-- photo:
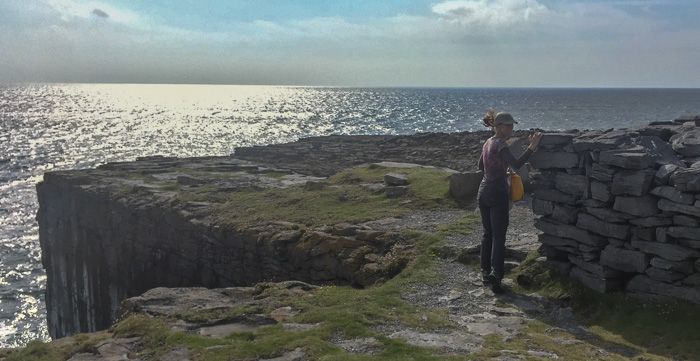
(475, 310)
(472, 307)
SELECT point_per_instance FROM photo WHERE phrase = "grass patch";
(657, 330)
(344, 198)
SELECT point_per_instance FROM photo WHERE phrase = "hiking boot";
(485, 276)
(495, 281)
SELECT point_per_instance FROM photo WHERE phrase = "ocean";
(48, 127)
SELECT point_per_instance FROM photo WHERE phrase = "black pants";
(494, 205)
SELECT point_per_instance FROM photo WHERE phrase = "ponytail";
(488, 120)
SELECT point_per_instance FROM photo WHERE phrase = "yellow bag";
(516, 188)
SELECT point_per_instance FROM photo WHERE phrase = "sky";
(418, 43)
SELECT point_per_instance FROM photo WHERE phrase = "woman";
(493, 197)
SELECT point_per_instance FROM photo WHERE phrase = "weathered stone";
(602, 173)
(395, 179)
(666, 205)
(572, 184)
(546, 160)
(465, 185)
(664, 173)
(692, 280)
(542, 207)
(593, 224)
(555, 196)
(557, 140)
(652, 221)
(686, 179)
(645, 206)
(691, 243)
(609, 215)
(565, 213)
(664, 275)
(644, 233)
(595, 268)
(593, 203)
(687, 142)
(568, 231)
(685, 118)
(686, 221)
(601, 192)
(314, 185)
(345, 229)
(673, 195)
(685, 267)
(684, 232)
(564, 244)
(671, 252)
(396, 191)
(626, 159)
(661, 235)
(624, 260)
(645, 285)
(601, 141)
(597, 284)
(634, 183)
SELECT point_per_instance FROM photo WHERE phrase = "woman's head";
(501, 123)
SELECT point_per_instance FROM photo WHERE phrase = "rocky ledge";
(115, 232)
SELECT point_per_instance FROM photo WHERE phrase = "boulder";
(643, 286)
(601, 191)
(665, 275)
(685, 267)
(609, 215)
(627, 159)
(685, 118)
(652, 221)
(568, 231)
(465, 185)
(633, 183)
(686, 179)
(669, 206)
(671, 252)
(565, 213)
(542, 207)
(595, 225)
(555, 196)
(595, 268)
(645, 206)
(602, 173)
(395, 179)
(396, 191)
(685, 221)
(673, 195)
(687, 142)
(546, 160)
(684, 232)
(624, 260)
(601, 285)
(572, 184)
(601, 141)
(664, 173)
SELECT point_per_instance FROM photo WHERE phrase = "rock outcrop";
(115, 232)
(620, 209)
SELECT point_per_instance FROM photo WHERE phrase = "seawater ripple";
(47, 127)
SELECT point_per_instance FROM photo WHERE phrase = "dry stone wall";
(620, 209)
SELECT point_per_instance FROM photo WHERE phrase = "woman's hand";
(535, 140)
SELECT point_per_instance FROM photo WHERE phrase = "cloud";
(100, 13)
(493, 13)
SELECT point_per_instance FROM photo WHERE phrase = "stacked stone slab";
(620, 209)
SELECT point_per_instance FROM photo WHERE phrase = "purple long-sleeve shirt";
(496, 156)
